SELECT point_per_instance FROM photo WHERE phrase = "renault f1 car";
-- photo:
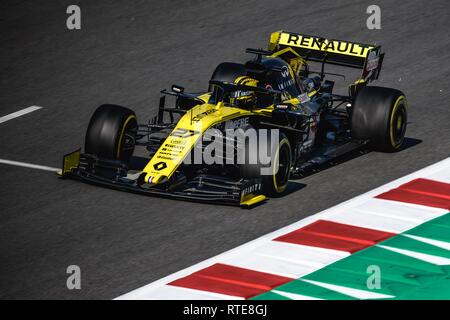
(276, 90)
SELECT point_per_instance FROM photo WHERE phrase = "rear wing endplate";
(331, 51)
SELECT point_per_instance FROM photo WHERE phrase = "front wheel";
(275, 174)
(111, 133)
(380, 116)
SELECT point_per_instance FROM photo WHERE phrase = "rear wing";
(331, 51)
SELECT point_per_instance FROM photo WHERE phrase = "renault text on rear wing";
(339, 52)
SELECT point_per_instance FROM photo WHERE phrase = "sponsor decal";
(160, 165)
(200, 116)
(372, 61)
(251, 189)
(239, 94)
(303, 98)
(235, 124)
(285, 71)
(172, 149)
(183, 133)
(322, 44)
(285, 84)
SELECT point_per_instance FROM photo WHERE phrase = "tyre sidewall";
(105, 133)
(373, 111)
(270, 184)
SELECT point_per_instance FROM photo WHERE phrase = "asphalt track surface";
(124, 54)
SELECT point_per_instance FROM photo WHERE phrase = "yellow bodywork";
(197, 120)
(187, 132)
(70, 161)
(252, 200)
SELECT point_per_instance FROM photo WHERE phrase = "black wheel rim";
(128, 141)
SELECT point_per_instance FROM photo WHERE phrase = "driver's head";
(241, 98)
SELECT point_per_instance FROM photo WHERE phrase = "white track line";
(19, 113)
(28, 165)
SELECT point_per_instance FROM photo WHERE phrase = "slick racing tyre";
(380, 116)
(275, 174)
(111, 133)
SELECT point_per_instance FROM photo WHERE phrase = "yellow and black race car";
(291, 110)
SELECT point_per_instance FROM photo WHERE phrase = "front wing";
(202, 188)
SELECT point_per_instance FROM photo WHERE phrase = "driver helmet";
(244, 98)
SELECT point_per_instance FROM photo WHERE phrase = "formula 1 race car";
(276, 91)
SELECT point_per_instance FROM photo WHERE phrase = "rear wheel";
(380, 116)
(111, 133)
